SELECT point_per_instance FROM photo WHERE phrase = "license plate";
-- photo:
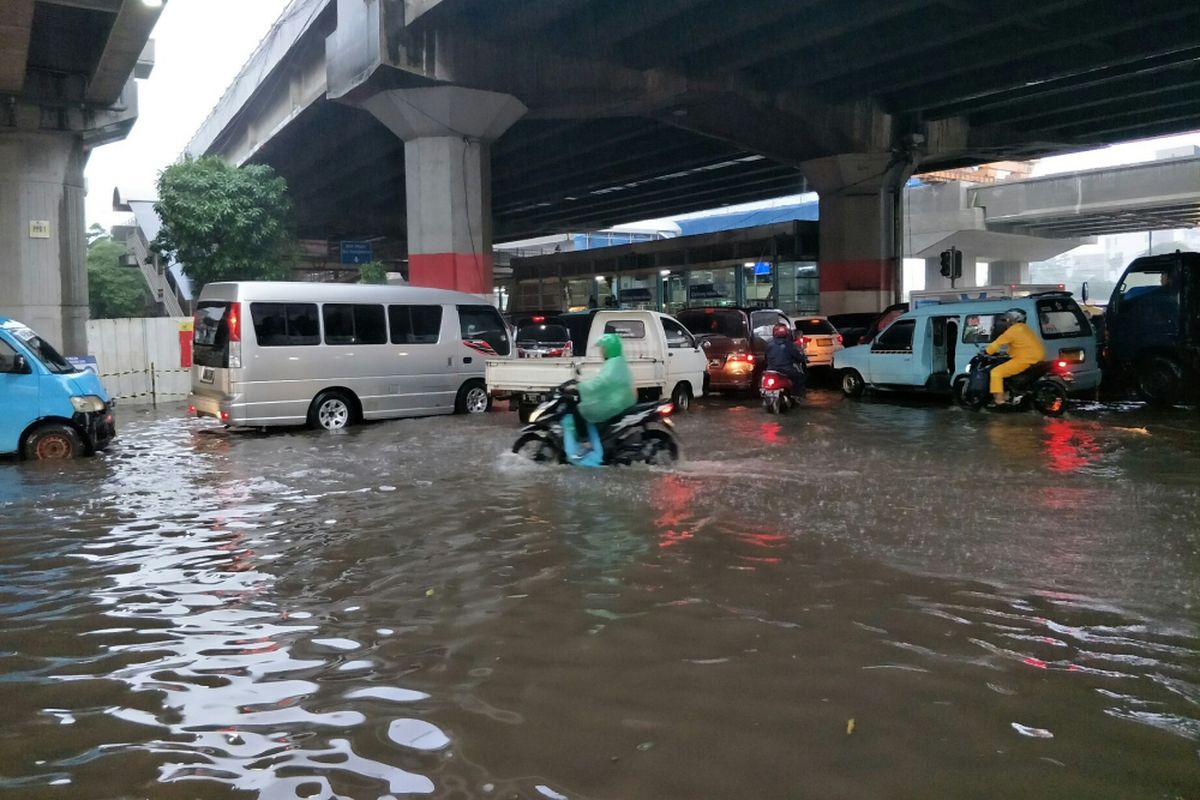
(206, 375)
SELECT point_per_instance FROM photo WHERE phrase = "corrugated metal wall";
(140, 359)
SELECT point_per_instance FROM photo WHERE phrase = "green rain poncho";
(611, 392)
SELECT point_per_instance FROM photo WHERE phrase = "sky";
(200, 45)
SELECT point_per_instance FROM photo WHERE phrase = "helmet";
(780, 330)
(1014, 315)
(610, 345)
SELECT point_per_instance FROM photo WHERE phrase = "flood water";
(857, 600)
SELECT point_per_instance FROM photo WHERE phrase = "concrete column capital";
(445, 111)
(853, 174)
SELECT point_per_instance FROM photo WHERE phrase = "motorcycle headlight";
(87, 404)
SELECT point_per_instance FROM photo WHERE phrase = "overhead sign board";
(356, 252)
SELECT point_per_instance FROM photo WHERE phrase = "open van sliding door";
(938, 358)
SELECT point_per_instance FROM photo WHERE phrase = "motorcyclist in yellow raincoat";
(1025, 349)
(601, 398)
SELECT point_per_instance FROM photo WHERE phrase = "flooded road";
(858, 600)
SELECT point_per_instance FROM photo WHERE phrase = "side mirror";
(1084, 291)
(20, 366)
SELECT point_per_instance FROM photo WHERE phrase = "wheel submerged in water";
(1050, 399)
(659, 449)
(536, 447)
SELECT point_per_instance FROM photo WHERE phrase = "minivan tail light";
(235, 322)
(1072, 356)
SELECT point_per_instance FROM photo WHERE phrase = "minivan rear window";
(1062, 318)
(210, 337)
(721, 322)
(286, 324)
(553, 334)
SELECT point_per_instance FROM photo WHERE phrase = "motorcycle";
(1043, 386)
(643, 432)
(776, 391)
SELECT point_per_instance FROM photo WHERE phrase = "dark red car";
(734, 340)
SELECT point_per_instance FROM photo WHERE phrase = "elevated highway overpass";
(442, 123)
(67, 70)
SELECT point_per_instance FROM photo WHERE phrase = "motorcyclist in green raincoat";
(600, 398)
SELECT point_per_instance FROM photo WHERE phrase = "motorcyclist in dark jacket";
(785, 357)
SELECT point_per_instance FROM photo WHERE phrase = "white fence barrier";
(142, 360)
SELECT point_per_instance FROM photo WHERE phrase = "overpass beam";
(43, 271)
(447, 133)
(860, 211)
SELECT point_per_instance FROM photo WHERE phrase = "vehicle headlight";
(87, 404)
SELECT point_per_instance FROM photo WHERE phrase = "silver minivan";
(329, 355)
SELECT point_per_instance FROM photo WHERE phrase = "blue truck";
(48, 408)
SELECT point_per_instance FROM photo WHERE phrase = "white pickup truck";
(663, 356)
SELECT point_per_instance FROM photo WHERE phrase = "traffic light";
(951, 263)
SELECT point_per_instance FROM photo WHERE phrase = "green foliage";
(372, 272)
(114, 292)
(224, 223)
(94, 232)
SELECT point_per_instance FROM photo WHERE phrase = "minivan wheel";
(681, 398)
(473, 398)
(53, 441)
(1159, 380)
(331, 411)
(852, 383)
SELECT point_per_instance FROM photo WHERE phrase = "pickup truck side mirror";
(20, 366)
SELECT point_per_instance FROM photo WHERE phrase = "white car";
(819, 338)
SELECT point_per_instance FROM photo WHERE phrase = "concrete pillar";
(1001, 273)
(860, 262)
(447, 133)
(43, 249)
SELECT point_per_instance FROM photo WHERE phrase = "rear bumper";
(205, 406)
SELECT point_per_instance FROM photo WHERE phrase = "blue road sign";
(356, 252)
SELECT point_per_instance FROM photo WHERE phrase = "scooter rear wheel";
(771, 404)
(659, 449)
(1050, 398)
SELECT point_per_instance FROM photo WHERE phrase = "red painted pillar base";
(858, 285)
(462, 272)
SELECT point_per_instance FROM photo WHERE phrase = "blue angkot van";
(48, 408)
(928, 349)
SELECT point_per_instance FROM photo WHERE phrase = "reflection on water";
(1003, 606)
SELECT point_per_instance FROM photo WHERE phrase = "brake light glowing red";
(803, 341)
(224, 416)
(191, 409)
(539, 320)
(1062, 365)
(235, 322)
(840, 339)
(769, 382)
(666, 410)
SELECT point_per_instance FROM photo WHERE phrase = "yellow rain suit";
(1024, 349)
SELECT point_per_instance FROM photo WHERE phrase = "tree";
(95, 232)
(223, 223)
(113, 291)
(372, 272)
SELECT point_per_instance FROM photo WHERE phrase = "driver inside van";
(1024, 350)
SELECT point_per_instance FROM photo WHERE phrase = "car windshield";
(714, 321)
(42, 349)
(815, 327)
(555, 334)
